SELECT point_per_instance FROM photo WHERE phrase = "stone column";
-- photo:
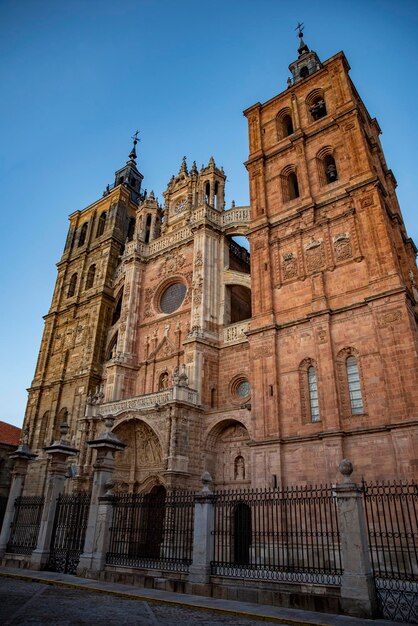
(100, 513)
(358, 593)
(22, 456)
(58, 453)
(203, 539)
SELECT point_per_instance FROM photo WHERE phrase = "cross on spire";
(300, 28)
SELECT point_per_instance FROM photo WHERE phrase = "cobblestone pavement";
(25, 602)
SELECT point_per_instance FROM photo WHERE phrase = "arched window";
(331, 174)
(316, 105)
(318, 109)
(101, 224)
(215, 195)
(304, 72)
(62, 418)
(83, 233)
(118, 309)
(354, 388)
(327, 168)
(309, 395)
(131, 229)
(287, 125)
(43, 430)
(293, 186)
(90, 276)
(112, 349)
(207, 193)
(290, 183)
(313, 394)
(72, 286)
(284, 123)
(352, 401)
(147, 229)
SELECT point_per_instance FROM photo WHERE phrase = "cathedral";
(263, 364)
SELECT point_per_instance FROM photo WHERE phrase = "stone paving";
(25, 602)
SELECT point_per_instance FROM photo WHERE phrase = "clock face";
(180, 206)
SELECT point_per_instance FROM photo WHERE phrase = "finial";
(183, 167)
(346, 469)
(211, 162)
(193, 169)
(132, 154)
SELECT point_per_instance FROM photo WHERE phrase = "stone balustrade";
(150, 400)
(236, 332)
(237, 215)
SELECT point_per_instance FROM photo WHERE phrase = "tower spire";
(132, 154)
(307, 62)
(303, 48)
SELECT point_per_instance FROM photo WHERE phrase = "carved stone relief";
(289, 266)
(315, 256)
(342, 247)
(172, 263)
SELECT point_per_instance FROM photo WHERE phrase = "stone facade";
(152, 318)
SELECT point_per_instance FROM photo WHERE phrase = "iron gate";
(392, 513)
(68, 534)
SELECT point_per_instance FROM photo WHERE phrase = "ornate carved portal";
(227, 454)
(141, 458)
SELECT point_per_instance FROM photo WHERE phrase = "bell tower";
(83, 311)
(333, 275)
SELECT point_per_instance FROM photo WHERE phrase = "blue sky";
(79, 77)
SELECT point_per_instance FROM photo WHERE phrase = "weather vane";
(135, 137)
(300, 28)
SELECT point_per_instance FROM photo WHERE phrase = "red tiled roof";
(9, 434)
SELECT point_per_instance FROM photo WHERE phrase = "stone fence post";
(101, 505)
(58, 452)
(22, 456)
(358, 593)
(203, 538)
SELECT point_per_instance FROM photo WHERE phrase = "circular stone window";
(172, 297)
(240, 388)
(243, 389)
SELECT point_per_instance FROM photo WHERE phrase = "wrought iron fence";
(271, 534)
(25, 525)
(392, 514)
(152, 530)
(69, 531)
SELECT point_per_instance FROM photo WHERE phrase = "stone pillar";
(203, 538)
(100, 513)
(58, 453)
(22, 456)
(358, 593)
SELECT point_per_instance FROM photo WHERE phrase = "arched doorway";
(242, 533)
(142, 457)
(152, 526)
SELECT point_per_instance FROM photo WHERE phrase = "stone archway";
(142, 457)
(227, 455)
